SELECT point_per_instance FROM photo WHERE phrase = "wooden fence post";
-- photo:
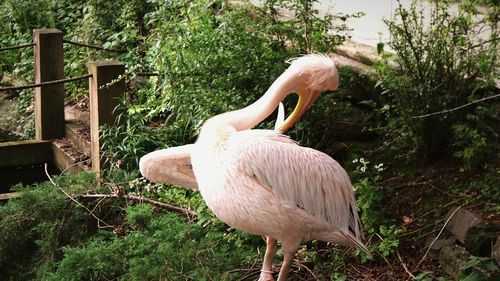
(49, 100)
(106, 87)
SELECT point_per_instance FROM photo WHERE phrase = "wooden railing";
(106, 86)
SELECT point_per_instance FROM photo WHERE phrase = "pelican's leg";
(287, 264)
(266, 273)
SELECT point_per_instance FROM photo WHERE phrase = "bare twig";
(300, 265)
(383, 257)
(481, 43)
(106, 225)
(11, 195)
(74, 164)
(456, 108)
(404, 265)
(251, 271)
(93, 46)
(436, 238)
(186, 212)
(434, 210)
(148, 74)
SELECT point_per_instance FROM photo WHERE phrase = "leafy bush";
(157, 246)
(117, 24)
(35, 227)
(370, 196)
(479, 269)
(46, 236)
(440, 65)
(124, 145)
(475, 140)
(212, 57)
(306, 31)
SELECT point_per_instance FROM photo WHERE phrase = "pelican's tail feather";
(355, 242)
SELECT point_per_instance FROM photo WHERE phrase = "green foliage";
(391, 235)
(45, 236)
(426, 276)
(34, 227)
(212, 57)
(113, 25)
(307, 31)
(475, 139)
(124, 145)
(478, 269)
(441, 63)
(116, 23)
(157, 246)
(370, 197)
(366, 181)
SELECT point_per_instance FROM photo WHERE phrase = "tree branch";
(456, 108)
(186, 212)
(99, 221)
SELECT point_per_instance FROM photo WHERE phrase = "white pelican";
(262, 182)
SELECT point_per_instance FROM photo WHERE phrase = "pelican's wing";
(171, 165)
(297, 175)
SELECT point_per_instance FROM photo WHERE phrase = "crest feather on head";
(321, 70)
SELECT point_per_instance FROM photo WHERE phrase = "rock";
(480, 239)
(477, 235)
(360, 52)
(8, 81)
(461, 222)
(438, 245)
(356, 66)
(452, 258)
(495, 254)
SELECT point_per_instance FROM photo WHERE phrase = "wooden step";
(78, 134)
(68, 158)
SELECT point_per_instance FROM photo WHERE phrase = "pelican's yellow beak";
(306, 99)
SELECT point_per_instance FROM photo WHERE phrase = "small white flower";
(363, 169)
(355, 160)
(379, 167)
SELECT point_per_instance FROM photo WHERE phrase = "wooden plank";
(11, 195)
(104, 99)
(25, 175)
(66, 159)
(25, 153)
(49, 100)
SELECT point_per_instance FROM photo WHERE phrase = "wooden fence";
(106, 86)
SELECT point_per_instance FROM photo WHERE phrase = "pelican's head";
(315, 73)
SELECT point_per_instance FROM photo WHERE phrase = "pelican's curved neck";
(250, 116)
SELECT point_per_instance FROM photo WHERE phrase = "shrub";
(46, 236)
(370, 197)
(212, 57)
(439, 65)
(35, 227)
(158, 246)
